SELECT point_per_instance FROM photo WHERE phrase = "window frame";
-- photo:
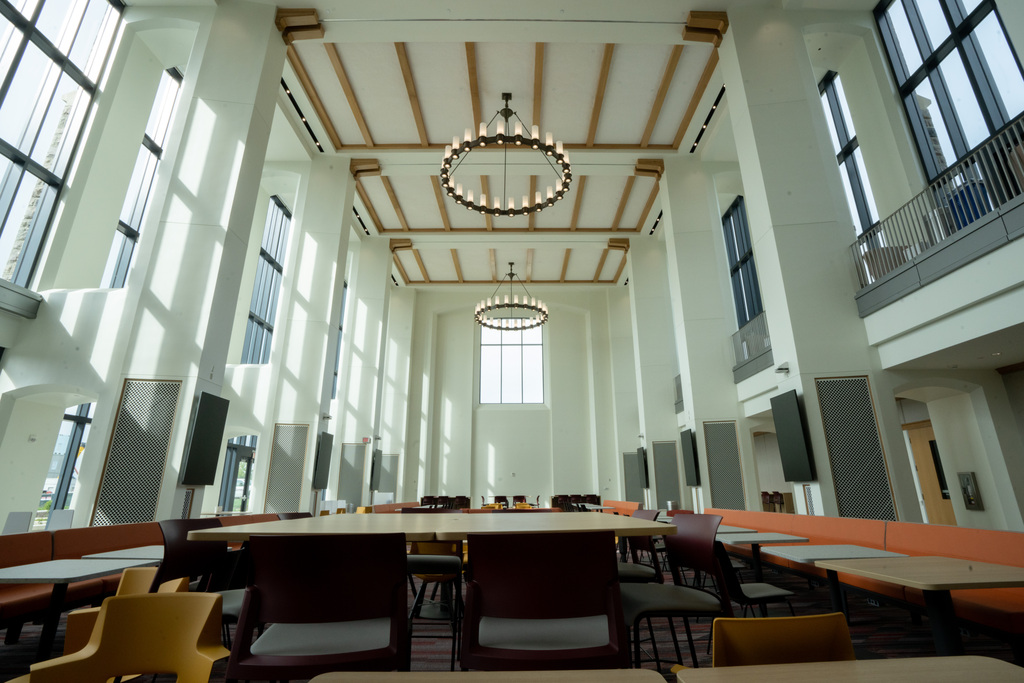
(964, 42)
(503, 344)
(21, 162)
(739, 253)
(266, 288)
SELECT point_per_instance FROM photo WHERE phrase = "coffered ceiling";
(387, 85)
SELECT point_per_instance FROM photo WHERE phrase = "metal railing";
(981, 182)
(751, 340)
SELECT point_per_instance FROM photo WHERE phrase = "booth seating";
(71, 544)
(21, 602)
(998, 612)
(393, 507)
(621, 507)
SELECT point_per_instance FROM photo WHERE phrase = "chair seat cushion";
(635, 573)
(328, 638)
(763, 591)
(544, 634)
(231, 603)
(434, 564)
(646, 598)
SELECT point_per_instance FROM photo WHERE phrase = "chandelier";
(513, 313)
(506, 134)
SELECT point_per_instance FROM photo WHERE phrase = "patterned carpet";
(877, 632)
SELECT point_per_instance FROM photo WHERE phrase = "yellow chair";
(152, 633)
(781, 640)
(523, 506)
(491, 506)
(364, 510)
(134, 581)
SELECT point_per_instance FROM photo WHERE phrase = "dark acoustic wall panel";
(854, 449)
(725, 477)
(633, 476)
(350, 479)
(666, 473)
(130, 488)
(287, 463)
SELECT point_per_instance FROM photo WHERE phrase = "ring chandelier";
(519, 314)
(506, 135)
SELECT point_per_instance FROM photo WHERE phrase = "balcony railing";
(751, 340)
(981, 182)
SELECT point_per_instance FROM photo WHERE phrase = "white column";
(190, 266)
(653, 348)
(800, 228)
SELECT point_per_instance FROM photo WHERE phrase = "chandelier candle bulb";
(536, 197)
(526, 202)
(551, 191)
(469, 136)
(558, 147)
(535, 133)
(497, 203)
(500, 129)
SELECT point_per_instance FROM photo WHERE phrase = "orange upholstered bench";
(70, 544)
(620, 507)
(21, 602)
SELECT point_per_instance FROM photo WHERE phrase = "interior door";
(934, 488)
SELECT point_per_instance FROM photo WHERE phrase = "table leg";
(51, 622)
(755, 561)
(835, 593)
(943, 621)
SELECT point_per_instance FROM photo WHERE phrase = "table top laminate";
(760, 538)
(926, 572)
(438, 527)
(908, 669)
(726, 529)
(67, 571)
(812, 553)
(145, 552)
(592, 676)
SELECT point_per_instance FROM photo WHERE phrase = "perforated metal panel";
(137, 455)
(287, 462)
(666, 473)
(854, 449)
(186, 503)
(724, 474)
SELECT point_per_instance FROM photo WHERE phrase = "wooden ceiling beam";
(538, 83)
(474, 86)
(532, 217)
(626, 192)
(698, 93)
(410, 89)
(485, 187)
(582, 184)
(600, 265)
(659, 100)
(400, 267)
(648, 206)
(314, 97)
(394, 203)
(565, 264)
(435, 182)
(529, 265)
(350, 95)
(492, 256)
(458, 266)
(419, 262)
(602, 83)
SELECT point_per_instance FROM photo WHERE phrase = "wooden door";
(934, 486)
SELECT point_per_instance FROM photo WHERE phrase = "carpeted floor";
(877, 631)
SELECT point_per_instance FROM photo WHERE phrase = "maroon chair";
(520, 615)
(691, 547)
(501, 500)
(645, 567)
(516, 500)
(294, 515)
(334, 603)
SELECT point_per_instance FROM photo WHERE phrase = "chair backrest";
(185, 558)
(518, 499)
(781, 640)
(18, 522)
(645, 544)
(513, 584)
(294, 515)
(59, 519)
(693, 547)
(344, 578)
(176, 633)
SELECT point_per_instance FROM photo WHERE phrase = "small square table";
(934, 577)
(589, 676)
(726, 529)
(813, 553)
(60, 573)
(145, 552)
(903, 669)
(755, 540)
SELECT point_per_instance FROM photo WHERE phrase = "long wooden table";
(592, 676)
(934, 577)
(912, 669)
(441, 527)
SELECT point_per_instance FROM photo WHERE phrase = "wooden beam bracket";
(706, 27)
(299, 24)
(650, 168)
(364, 167)
(396, 245)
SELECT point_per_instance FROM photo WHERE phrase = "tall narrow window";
(263, 308)
(746, 293)
(62, 477)
(51, 55)
(958, 76)
(136, 201)
(511, 366)
(844, 140)
(341, 328)
(236, 478)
